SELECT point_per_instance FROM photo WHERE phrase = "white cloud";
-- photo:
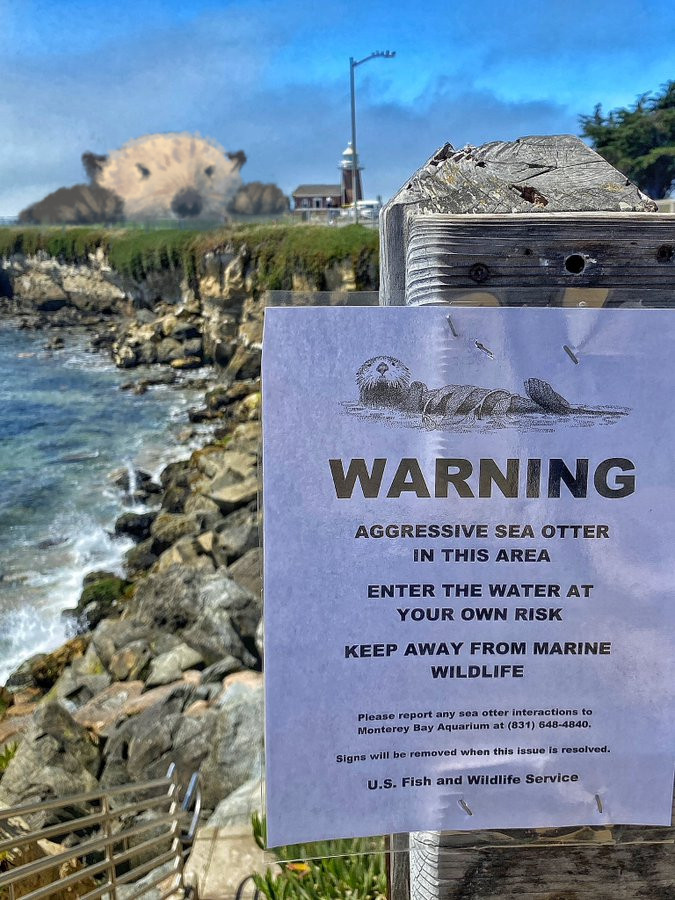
(237, 74)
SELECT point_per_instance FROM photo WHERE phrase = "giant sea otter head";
(383, 381)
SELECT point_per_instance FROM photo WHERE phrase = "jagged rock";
(247, 571)
(200, 415)
(22, 677)
(239, 806)
(217, 398)
(233, 495)
(234, 480)
(211, 613)
(184, 331)
(169, 666)
(168, 350)
(193, 348)
(236, 752)
(238, 533)
(55, 758)
(198, 503)
(174, 479)
(112, 635)
(159, 883)
(246, 438)
(107, 707)
(121, 478)
(12, 730)
(136, 525)
(99, 598)
(175, 473)
(55, 343)
(144, 745)
(244, 364)
(205, 541)
(167, 528)
(140, 558)
(46, 670)
(137, 705)
(79, 688)
(131, 661)
(215, 673)
(185, 552)
(187, 362)
(6, 699)
(18, 710)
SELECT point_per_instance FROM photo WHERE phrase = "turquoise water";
(64, 427)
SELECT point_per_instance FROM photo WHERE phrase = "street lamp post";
(353, 63)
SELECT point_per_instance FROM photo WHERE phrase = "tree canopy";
(639, 141)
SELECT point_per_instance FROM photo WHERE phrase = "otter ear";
(143, 170)
(93, 164)
(239, 158)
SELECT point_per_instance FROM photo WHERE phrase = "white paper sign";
(469, 579)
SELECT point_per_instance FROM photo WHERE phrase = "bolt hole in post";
(575, 264)
(665, 253)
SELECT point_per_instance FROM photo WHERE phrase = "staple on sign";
(571, 355)
(465, 807)
(484, 349)
(598, 802)
(452, 327)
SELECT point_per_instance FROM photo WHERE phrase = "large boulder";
(236, 752)
(113, 636)
(136, 525)
(247, 571)
(56, 758)
(146, 744)
(239, 806)
(238, 533)
(100, 598)
(169, 666)
(47, 669)
(168, 528)
(209, 611)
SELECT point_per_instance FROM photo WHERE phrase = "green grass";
(66, 244)
(307, 249)
(353, 869)
(277, 252)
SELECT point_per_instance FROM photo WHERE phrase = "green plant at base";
(6, 756)
(352, 869)
(105, 590)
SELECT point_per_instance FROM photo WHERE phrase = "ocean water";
(64, 427)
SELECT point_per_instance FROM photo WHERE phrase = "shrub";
(354, 869)
(276, 251)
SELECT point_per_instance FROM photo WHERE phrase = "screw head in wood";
(479, 272)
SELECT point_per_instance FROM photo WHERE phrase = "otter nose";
(382, 368)
(186, 203)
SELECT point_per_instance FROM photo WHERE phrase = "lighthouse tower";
(346, 172)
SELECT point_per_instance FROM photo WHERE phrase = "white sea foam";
(34, 620)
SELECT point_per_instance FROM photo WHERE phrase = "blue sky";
(272, 78)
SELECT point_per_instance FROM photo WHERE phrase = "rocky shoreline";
(164, 665)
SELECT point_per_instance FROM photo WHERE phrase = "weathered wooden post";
(540, 221)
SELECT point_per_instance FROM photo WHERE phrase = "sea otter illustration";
(385, 381)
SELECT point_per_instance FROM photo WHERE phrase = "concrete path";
(221, 859)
